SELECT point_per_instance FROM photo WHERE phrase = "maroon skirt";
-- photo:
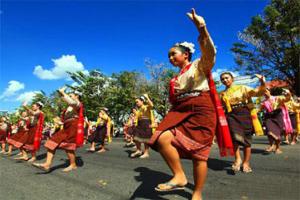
(274, 124)
(99, 135)
(293, 120)
(26, 139)
(130, 130)
(142, 132)
(3, 136)
(14, 139)
(28, 145)
(65, 138)
(240, 126)
(193, 123)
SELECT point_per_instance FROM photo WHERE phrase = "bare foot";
(22, 158)
(286, 142)
(236, 166)
(270, 149)
(70, 168)
(197, 196)
(247, 168)
(8, 153)
(293, 143)
(91, 149)
(31, 160)
(42, 166)
(136, 154)
(145, 155)
(101, 150)
(278, 151)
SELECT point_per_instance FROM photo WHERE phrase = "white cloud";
(13, 87)
(27, 96)
(61, 66)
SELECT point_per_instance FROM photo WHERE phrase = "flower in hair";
(188, 45)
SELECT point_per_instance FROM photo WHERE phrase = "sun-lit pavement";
(113, 175)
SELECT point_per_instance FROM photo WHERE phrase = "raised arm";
(66, 98)
(149, 102)
(259, 91)
(208, 50)
(28, 109)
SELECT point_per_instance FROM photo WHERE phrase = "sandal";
(170, 187)
(236, 166)
(270, 149)
(247, 169)
(136, 154)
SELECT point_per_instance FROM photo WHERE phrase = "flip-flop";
(236, 167)
(247, 170)
(172, 187)
(40, 166)
(136, 154)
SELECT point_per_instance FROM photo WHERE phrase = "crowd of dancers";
(199, 115)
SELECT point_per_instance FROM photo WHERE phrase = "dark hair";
(229, 73)
(184, 49)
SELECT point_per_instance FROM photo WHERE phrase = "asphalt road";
(114, 176)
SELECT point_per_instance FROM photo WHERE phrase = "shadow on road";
(149, 180)
(259, 151)
(41, 156)
(220, 165)
(129, 152)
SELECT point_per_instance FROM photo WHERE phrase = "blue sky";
(41, 39)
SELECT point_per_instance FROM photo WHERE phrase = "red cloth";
(172, 97)
(222, 132)
(8, 131)
(38, 133)
(80, 128)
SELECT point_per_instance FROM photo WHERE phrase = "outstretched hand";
(62, 90)
(198, 20)
(261, 78)
(24, 103)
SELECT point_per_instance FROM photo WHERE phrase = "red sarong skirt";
(65, 138)
(193, 122)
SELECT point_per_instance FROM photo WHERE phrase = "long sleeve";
(208, 56)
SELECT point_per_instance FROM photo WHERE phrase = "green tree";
(48, 110)
(270, 44)
(119, 97)
(158, 87)
(92, 86)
